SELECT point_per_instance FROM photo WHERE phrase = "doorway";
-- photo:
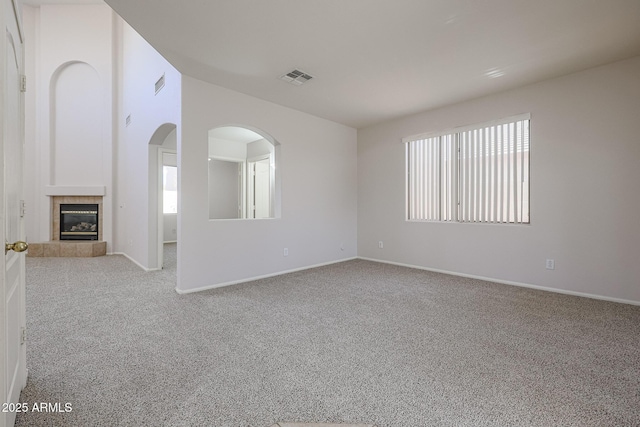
(162, 152)
(167, 202)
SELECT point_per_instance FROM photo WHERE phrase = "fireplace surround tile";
(68, 248)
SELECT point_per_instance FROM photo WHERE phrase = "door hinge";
(23, 208)
(23, 335)
(23, 83)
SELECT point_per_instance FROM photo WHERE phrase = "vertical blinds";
(472, 174)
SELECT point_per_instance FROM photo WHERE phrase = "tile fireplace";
(76, 228)
(77, 204)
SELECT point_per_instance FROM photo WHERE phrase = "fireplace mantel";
(70, 190)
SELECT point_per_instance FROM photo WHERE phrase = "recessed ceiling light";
(493, 73)
(296, 77)
(452, 19)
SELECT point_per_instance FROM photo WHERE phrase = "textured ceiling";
(374, 60)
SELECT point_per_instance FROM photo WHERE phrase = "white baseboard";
(134, 261)
(265, 276)
(508, 282)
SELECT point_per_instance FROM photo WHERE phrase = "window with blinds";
(477, 173)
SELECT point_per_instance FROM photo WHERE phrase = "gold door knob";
(18, 246)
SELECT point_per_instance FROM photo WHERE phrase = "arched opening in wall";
(244, 179)
(163, 197)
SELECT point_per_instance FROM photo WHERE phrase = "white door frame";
(160, 251)
(251, 184)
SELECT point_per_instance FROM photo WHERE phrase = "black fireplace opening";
(78, 222)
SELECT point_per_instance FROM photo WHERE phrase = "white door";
(14, 372)
(261, 189)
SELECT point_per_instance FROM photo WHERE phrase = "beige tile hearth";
(36, 250)
(84, 250)
(51, 249)
(68, 248)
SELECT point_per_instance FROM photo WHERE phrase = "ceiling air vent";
(296, 77)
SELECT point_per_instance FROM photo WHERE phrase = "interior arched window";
(242, 174)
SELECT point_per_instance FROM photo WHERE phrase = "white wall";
(68, 107)
(153, 118)
(170, 225)
(259, 148)
(224, 183)
(227, 150)
(318, 169)
(584, 189)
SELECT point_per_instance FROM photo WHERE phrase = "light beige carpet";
(356, 342)
(320, 425)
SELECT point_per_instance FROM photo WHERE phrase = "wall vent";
(159, 84)
(296, 77)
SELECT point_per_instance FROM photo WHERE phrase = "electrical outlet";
(285, 252)
(380, 244)
(550, 264)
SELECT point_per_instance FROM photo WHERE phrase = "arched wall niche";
(76, 125)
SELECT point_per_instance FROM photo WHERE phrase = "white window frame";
(164, 191)
(443, 186)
